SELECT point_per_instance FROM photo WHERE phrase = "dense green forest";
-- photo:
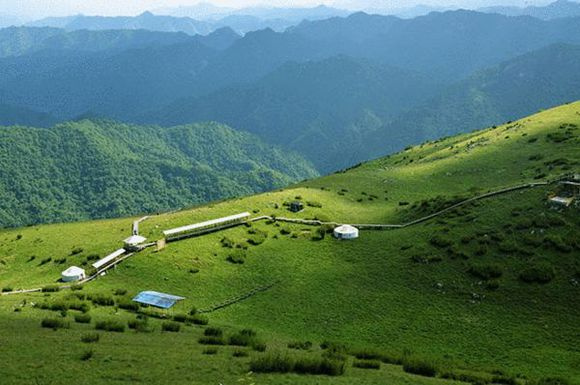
(96, 168)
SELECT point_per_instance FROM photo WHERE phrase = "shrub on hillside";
(54, 323)
(180, 317)
(246, 337)
(420, 367)
(50, 289)
(76, 250)
(238, 256)
(90, 338)
(240, 353)
(214, 332)
(300, 345)
(102, 300)
(257, 237)
(440, 241)
(210, 351)
(552, 381)
(110, 326)
(367, 354)
(127, 304)
(83, 318)
(540, 273)
(87, 355)
(318, 366)
(170, 326)
(120, 292)
(365, 364)
(558, 243)
(227, 242)
(272, 363)
(140, 325)
(485, 271)
(198, 319)
(259, 346)
(211, 340)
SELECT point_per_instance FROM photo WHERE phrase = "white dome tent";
(346, 232)
(73, 274)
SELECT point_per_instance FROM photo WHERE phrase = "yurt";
(346, 232)
(133, 242)
(72, 274)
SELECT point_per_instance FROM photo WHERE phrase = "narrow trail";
(310, 222)
(238, 298)
(380, 226)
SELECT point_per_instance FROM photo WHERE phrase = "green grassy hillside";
(96, 169)
(487, 293)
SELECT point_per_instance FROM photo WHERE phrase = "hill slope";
(97, 169)
(486, 293)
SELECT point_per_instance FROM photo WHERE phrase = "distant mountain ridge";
(555, 10)
(241, 21)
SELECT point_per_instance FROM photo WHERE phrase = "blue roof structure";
(153, 298)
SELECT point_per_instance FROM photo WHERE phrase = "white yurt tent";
(72, 274)
(346, 232)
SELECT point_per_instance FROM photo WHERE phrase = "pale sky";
(44, 8)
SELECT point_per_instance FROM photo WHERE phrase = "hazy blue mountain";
(99, 168)
(513, 89)
(124, 84)
(200, 11)
(206, 11)
(16, 41)
(220, 39)
(439, 43)
(9, 20)
(11, 115)
(146, 20)
(557, 9)
(319, 109)
(113, 86)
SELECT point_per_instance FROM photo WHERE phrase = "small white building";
(346, 232)
(73, 274)
(132, 243)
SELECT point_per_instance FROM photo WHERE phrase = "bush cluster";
(367, 364)
(300, 345)
(90, 338)
(54, 323)
(277, 363)
(110, 326)
(540, 273)
(170, 326)
(485, 271)
(83, 318)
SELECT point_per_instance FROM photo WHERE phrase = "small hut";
(346, 232)
(73, 274)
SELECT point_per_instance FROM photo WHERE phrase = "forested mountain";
(333, 90)
(95, 169)
(513, 89)
(319, 109)
(439, 45)
(374, 108)
(557, 9)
